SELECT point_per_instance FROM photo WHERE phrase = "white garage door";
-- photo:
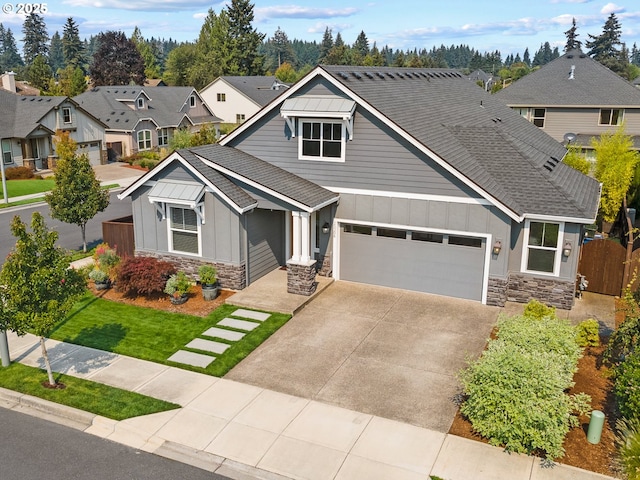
(439, 263)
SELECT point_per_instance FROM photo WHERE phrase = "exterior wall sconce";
(325, 228)
(497, 246)
(566, 250)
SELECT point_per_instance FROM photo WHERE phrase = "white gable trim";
(440, 161)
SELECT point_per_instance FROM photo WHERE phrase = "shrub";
(538, 310)
(207, 274)
(143, 275)
(626, 376)
(178, 285)
(106, 259)
(18, 173)
(628, 440)
(626, 338)
(516, 390)
(588, 333)
(98, 276)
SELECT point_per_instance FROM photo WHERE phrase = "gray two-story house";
(409, 178)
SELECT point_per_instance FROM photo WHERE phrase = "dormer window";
(66, 115)
(322, 124)
(192, 101)
(140, 103)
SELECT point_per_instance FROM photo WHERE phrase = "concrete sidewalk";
(247, 432)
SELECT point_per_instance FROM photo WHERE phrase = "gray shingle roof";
(265, 174)
(21, 114)
(591, 84)
(109, 104)
(480, 137)
(257, 88)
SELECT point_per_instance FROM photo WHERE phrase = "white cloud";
(610, 8)
(296, 11)
(142, 5)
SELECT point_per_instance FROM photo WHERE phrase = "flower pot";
(179, 300)
(210, 291)
(103, 285)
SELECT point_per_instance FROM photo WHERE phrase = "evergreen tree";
(148, 54)
(72, 47)
(214, 51)
(71, 81)
(339, 42)
(117, 61)
(604, 47)
(635, 55)
(179, 61)
(9, 56)
(326, 45)
(245, 39)
(35, 39)
(280, 50)
(361, 45)
(56, 58)
(40, 73)
(572, 37)
(526, 58)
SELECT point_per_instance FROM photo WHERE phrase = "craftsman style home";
(408, 178)
(574, 94)
(144, 118)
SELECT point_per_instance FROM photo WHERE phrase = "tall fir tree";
(148, 54)
(572, 37)
(56, 57)
(10, 59)
(72, 47)
(36, 38)
(326, 45)
(280, 51)
(361, 45)
(245, 39)
(605, 47)
(214, 51)
(526, 58)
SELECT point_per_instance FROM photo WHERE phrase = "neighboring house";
(636, 82)
(482, 78)
(29, 123)
(408, 178)
(576, 94)
(235, 99)
(145, 118)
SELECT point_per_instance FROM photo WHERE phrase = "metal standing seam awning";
(318, 106)
(177, 192)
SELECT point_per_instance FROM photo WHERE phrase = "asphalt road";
(70, 236)
(34, 448)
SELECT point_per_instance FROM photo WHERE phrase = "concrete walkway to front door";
(387, 352)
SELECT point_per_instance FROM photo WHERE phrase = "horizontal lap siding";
(559, 121)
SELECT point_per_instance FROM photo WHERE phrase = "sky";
(509, 26)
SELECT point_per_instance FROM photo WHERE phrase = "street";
(70, 236)
(34, 448)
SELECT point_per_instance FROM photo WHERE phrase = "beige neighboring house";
(29, 123)
(145, 118)
(576, 94)
(236, 99)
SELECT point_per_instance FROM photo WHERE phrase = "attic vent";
(368, 75)
(400, 75)
(113, 113)
(408, 74)
(343, 75)
(380, 75)
(583, 55)
(570, 56)
(390, 74)
(573, 72)
(357, 75)
(551, 163)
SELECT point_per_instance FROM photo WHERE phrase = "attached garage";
(431, 262)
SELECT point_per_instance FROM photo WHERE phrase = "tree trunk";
(83, 229)
(47, 365)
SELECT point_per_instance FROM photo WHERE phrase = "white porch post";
(305, 237)
(297, 243)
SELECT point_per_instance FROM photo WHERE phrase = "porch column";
(301, 270)
(297, 243)
(305, 237)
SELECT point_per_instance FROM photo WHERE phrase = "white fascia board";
(558, 219)
(319, 71)
(143, 179)
(410, 196)
(257, 185)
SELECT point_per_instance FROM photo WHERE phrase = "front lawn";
(17, 188)
(155, 335)
(93, 397)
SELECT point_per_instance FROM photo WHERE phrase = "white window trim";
(67, 109)
(192, 101)
(144, 140)
(558, 249)
(343, 139)
(199, 210)
(6, 143)
(140, 103)
(621, 117)
(163, 134)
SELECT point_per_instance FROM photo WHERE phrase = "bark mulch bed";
(591, 378)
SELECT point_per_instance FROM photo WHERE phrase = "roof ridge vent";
(343, 75)
(551, 163)
(400, 74)
(357, 75)
(572, 75)
(368, 74)
(390, 74)
(380, 75)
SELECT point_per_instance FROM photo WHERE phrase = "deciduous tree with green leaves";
(37, 287)
(615, 165)
(77, 196)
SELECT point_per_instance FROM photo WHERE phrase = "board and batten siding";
(265, 240)
(376, 158)
(431, 215)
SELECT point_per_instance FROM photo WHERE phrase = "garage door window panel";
(465, 241)
(359, 229)
(391, 233)
(427, 237)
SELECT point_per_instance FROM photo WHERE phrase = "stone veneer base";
(301, 278)
(230, 276)
(521, 288)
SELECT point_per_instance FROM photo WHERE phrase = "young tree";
(76, 197)
(117, 61)
(38, 287)
(71, 81)
(35, 39)
(72, 47)
(40, 73)
(245, 39)
(572, 37)
(615, 165)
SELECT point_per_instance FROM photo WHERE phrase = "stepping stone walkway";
(248, 320)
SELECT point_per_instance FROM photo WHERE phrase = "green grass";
(37, 199)
(155, 335)
(93, 397)
(17, 188)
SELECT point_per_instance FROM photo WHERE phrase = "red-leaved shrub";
(143, 275)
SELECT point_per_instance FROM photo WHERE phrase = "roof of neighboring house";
(471, 133)
(111, 105)
(154, 82)
(21, 115)
(226, 168)
(260, 89)
(574, 79)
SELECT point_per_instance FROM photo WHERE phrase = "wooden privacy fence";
(118, 233)
(602, 262)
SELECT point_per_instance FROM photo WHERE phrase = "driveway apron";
(382, 351)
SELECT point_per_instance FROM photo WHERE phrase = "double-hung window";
(542, 247)
(221, 97)
(534, 115)
(66, 115)
(322, 140)
(611, 116)
(144, 140)
(163, 137)
(184, 230)
(7, 157)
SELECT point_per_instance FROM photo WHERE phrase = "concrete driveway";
(387, 352)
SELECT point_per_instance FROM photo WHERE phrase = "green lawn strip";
(17, 188)
(154, 335)
(21, 202)
(93, 397)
